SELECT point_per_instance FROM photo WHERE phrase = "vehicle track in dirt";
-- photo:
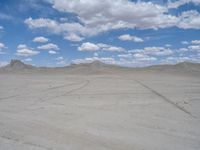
(165, 98)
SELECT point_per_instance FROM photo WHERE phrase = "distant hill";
(98, 67)
(92, 68)
(187, 66)
(17, 65)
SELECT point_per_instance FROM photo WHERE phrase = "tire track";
(66, 93)
(166, 99)
(26, 143)
(61, 86)
(33, 93)
(8, 97)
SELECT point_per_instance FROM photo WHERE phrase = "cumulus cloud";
(129, 55)
(25, 51)
(128, 37)
(143, 57)
(2, 46)
(70, 31)
(52, 52)
(183, 49)
(196, 42)
(179, 3)
(1, 28)
(142, 61)
(59, 58)
(158, 51)
(168, 45)
(28, 60)
(49, 46)
(185, 42)
(138, 56)
(61, 61)
(100, 46)
(40, 39)
(73, 37)
(97, 17)
(3, 63)
(115, 13)
(194, 48)
(153, 51)
(21, 46)
(88, 47)
(108, 60)
(146, 56)
(110, 48)
(189, 19)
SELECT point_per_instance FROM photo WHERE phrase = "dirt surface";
(139, 110)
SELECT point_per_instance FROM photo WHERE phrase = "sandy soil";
(134, 111)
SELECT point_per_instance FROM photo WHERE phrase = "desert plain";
(100, 107)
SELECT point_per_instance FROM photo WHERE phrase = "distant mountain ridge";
(17, 65)
(98, 66)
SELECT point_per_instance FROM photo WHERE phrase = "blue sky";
(123, 32)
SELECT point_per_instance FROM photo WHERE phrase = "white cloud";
(53, 26)
(178, 59)
(185, 42)
(168, 45)
(49, 46)
(128, 37)
(1, 28)
(117, 14)
(28, 59)
(183, 49)
(100, 46)
(59, 58)
(88, 47)
(113, 49)
(62, 62)
(2, 46)
(108, 60)
(142, 61)
(97, 17)
(96, 54)
(41, 23)
(189, 19)
(40, 39)
(179, 3)
(3, 63)
(110, 48)
(21, 46)
(157, 51)
(129, 55)
(25, 51)
(194, 48)
(143, 57)
(73, 37)
(52, 52)
(196, 42)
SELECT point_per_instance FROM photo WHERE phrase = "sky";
(130, 33)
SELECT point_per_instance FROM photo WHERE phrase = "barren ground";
(135, 111)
